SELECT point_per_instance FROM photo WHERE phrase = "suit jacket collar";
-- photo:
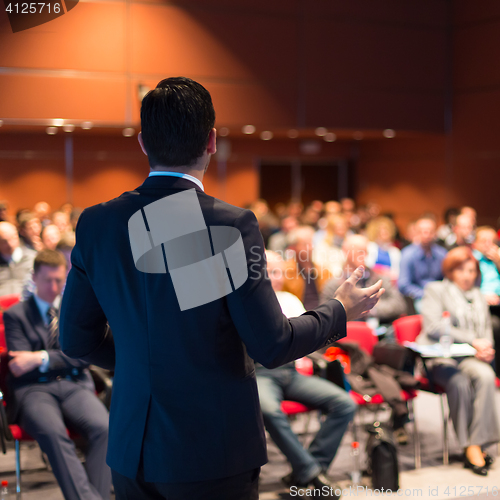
(34, 317)
(168, 182)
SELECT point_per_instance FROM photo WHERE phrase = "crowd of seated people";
(317, 248)
(422, 273)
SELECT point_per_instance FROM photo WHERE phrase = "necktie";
(53, 330)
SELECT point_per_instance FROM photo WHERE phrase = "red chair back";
(8, 300)
(5, 302)
(360, 332)
(408, 328)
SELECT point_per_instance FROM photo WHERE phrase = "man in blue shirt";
(421, 262)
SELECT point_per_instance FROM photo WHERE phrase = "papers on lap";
(436, 350)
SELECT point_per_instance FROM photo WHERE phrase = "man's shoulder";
(436, 287)
(409, 250)
(439, 250)
(17, 310)
(215, 211)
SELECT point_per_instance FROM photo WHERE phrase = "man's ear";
(212, 142)
(141, 142)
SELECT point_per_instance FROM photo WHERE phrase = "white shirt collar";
(44, 306)
(179, 174)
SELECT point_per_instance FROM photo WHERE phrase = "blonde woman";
(383, 256)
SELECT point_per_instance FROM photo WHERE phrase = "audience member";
(42, 210)
(20, 213)
(391, 305)
(50, 236)
(420, 262)
(462, 233)
(4, 207)
(62, 221)
(308, 466)
(303, 277)
(29, 231)
(75, 215)
(51, 390)
(383, 257)
(311, 215)
(278, 242)
(450, 217)
(327, 251)
(471, 212)
(469, 381)
(486, 251)
(268, 222)
(16, 261)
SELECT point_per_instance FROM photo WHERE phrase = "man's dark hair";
(50, 258)
(176, 120)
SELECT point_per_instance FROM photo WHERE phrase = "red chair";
(5, 302)
(361, 333)
(8, 300)
(407, 329)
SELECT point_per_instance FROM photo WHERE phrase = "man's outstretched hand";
(358, 302)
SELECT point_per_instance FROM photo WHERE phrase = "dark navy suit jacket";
(26, 331)
(184, 395)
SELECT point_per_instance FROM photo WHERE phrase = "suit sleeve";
(83, 328)
(272, 339)
(17, 340)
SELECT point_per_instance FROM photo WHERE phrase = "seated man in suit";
(309, 466)
(51, 391)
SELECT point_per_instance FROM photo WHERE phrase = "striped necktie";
(53, 330)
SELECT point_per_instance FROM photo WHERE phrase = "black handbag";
(382, 459)
(394, 355)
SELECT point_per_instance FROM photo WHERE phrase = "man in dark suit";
(50, 390)
(179, 277)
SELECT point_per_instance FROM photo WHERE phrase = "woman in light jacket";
(469, 381)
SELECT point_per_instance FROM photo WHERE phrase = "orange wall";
(476, 106)
(273, 64)
(405, 176)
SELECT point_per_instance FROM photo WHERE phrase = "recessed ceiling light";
(389, 133)
(248, 129)
(321, 131)
(292, 133)
(58, 122)
(69, 127)
(223, 131)
(330, 137)
(51, 130)
(87, 125)
(266, 135)
(128, 132)
(1, 123)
